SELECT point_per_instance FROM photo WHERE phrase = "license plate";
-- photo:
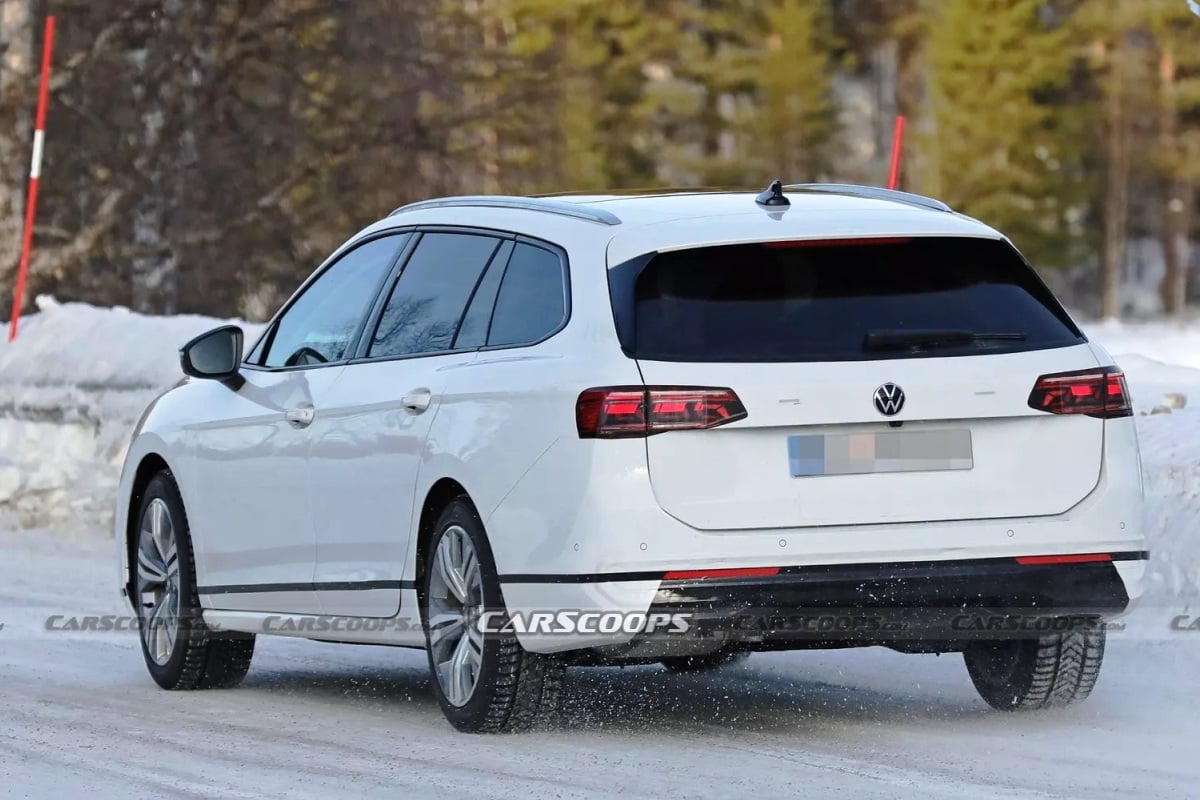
(890, 451)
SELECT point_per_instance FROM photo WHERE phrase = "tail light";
(618, 412)
(1097, 392)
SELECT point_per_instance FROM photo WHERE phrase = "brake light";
(616, 412)
(1100, 392)
(855, 242)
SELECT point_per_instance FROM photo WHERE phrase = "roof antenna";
(773, 196)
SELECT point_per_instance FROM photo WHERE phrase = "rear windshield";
(902, 298)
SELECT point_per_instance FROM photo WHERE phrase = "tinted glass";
(838, 303)
(474, 329)
(532, 300)
(428, 301)
(319, 326)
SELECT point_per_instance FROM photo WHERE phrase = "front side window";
(429, 299)
(320, 326)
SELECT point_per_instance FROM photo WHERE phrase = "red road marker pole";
(897, 145)
(35, 172)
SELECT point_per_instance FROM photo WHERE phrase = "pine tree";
(996, 152)
(793, 122)
(1122, 69)
(1176, 33)
(563, 90)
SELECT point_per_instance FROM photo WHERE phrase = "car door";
(370, 435)
(251, 509)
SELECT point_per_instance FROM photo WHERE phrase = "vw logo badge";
(889, 399)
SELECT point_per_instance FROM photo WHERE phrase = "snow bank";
(72, 386)
(1170, 446)
(1161, 361)
(1158, 357)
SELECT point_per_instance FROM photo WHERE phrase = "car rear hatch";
(882, 380)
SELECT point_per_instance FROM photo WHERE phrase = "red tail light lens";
(856, 242)
(1097, 392)
(617, 412)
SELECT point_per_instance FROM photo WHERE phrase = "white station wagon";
(532, 433)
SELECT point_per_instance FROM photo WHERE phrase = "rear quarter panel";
(513, 407)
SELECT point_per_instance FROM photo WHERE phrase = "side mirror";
(215, 355)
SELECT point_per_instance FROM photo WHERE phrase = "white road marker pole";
(35, 172)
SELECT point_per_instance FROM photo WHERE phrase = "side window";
(532, 301)
(427, 303)
(320, 325)
(472, 334)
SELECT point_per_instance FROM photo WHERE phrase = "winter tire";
(484, 682)
(1036, 673)
(181, 652)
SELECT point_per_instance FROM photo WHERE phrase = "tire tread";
(525, 687)
(1053, 671)
(209, 661)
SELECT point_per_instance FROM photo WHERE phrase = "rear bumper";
(928, 606)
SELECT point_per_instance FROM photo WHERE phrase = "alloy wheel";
(455, 604)
(158, 581)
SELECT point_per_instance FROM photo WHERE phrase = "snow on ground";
(316, 720)
(82, 718)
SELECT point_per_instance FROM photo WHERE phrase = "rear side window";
(472, 334)
(843, 301)
(532, 301)
(429, 299)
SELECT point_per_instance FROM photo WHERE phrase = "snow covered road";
(81, 718)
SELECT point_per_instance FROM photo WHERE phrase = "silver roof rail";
(872, 193)
(561, 207)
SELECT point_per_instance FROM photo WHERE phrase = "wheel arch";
(437, 498)
(151, 464)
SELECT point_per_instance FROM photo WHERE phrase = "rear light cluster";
(1097, 392)
(620, 412)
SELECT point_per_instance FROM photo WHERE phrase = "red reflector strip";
(1082, 558)
(859, 242)
(700, 574)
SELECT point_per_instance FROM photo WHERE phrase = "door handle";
(300, 417)
(417, 401)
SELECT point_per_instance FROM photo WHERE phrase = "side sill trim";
(328, 586)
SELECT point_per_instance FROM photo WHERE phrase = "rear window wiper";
(919, 340)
